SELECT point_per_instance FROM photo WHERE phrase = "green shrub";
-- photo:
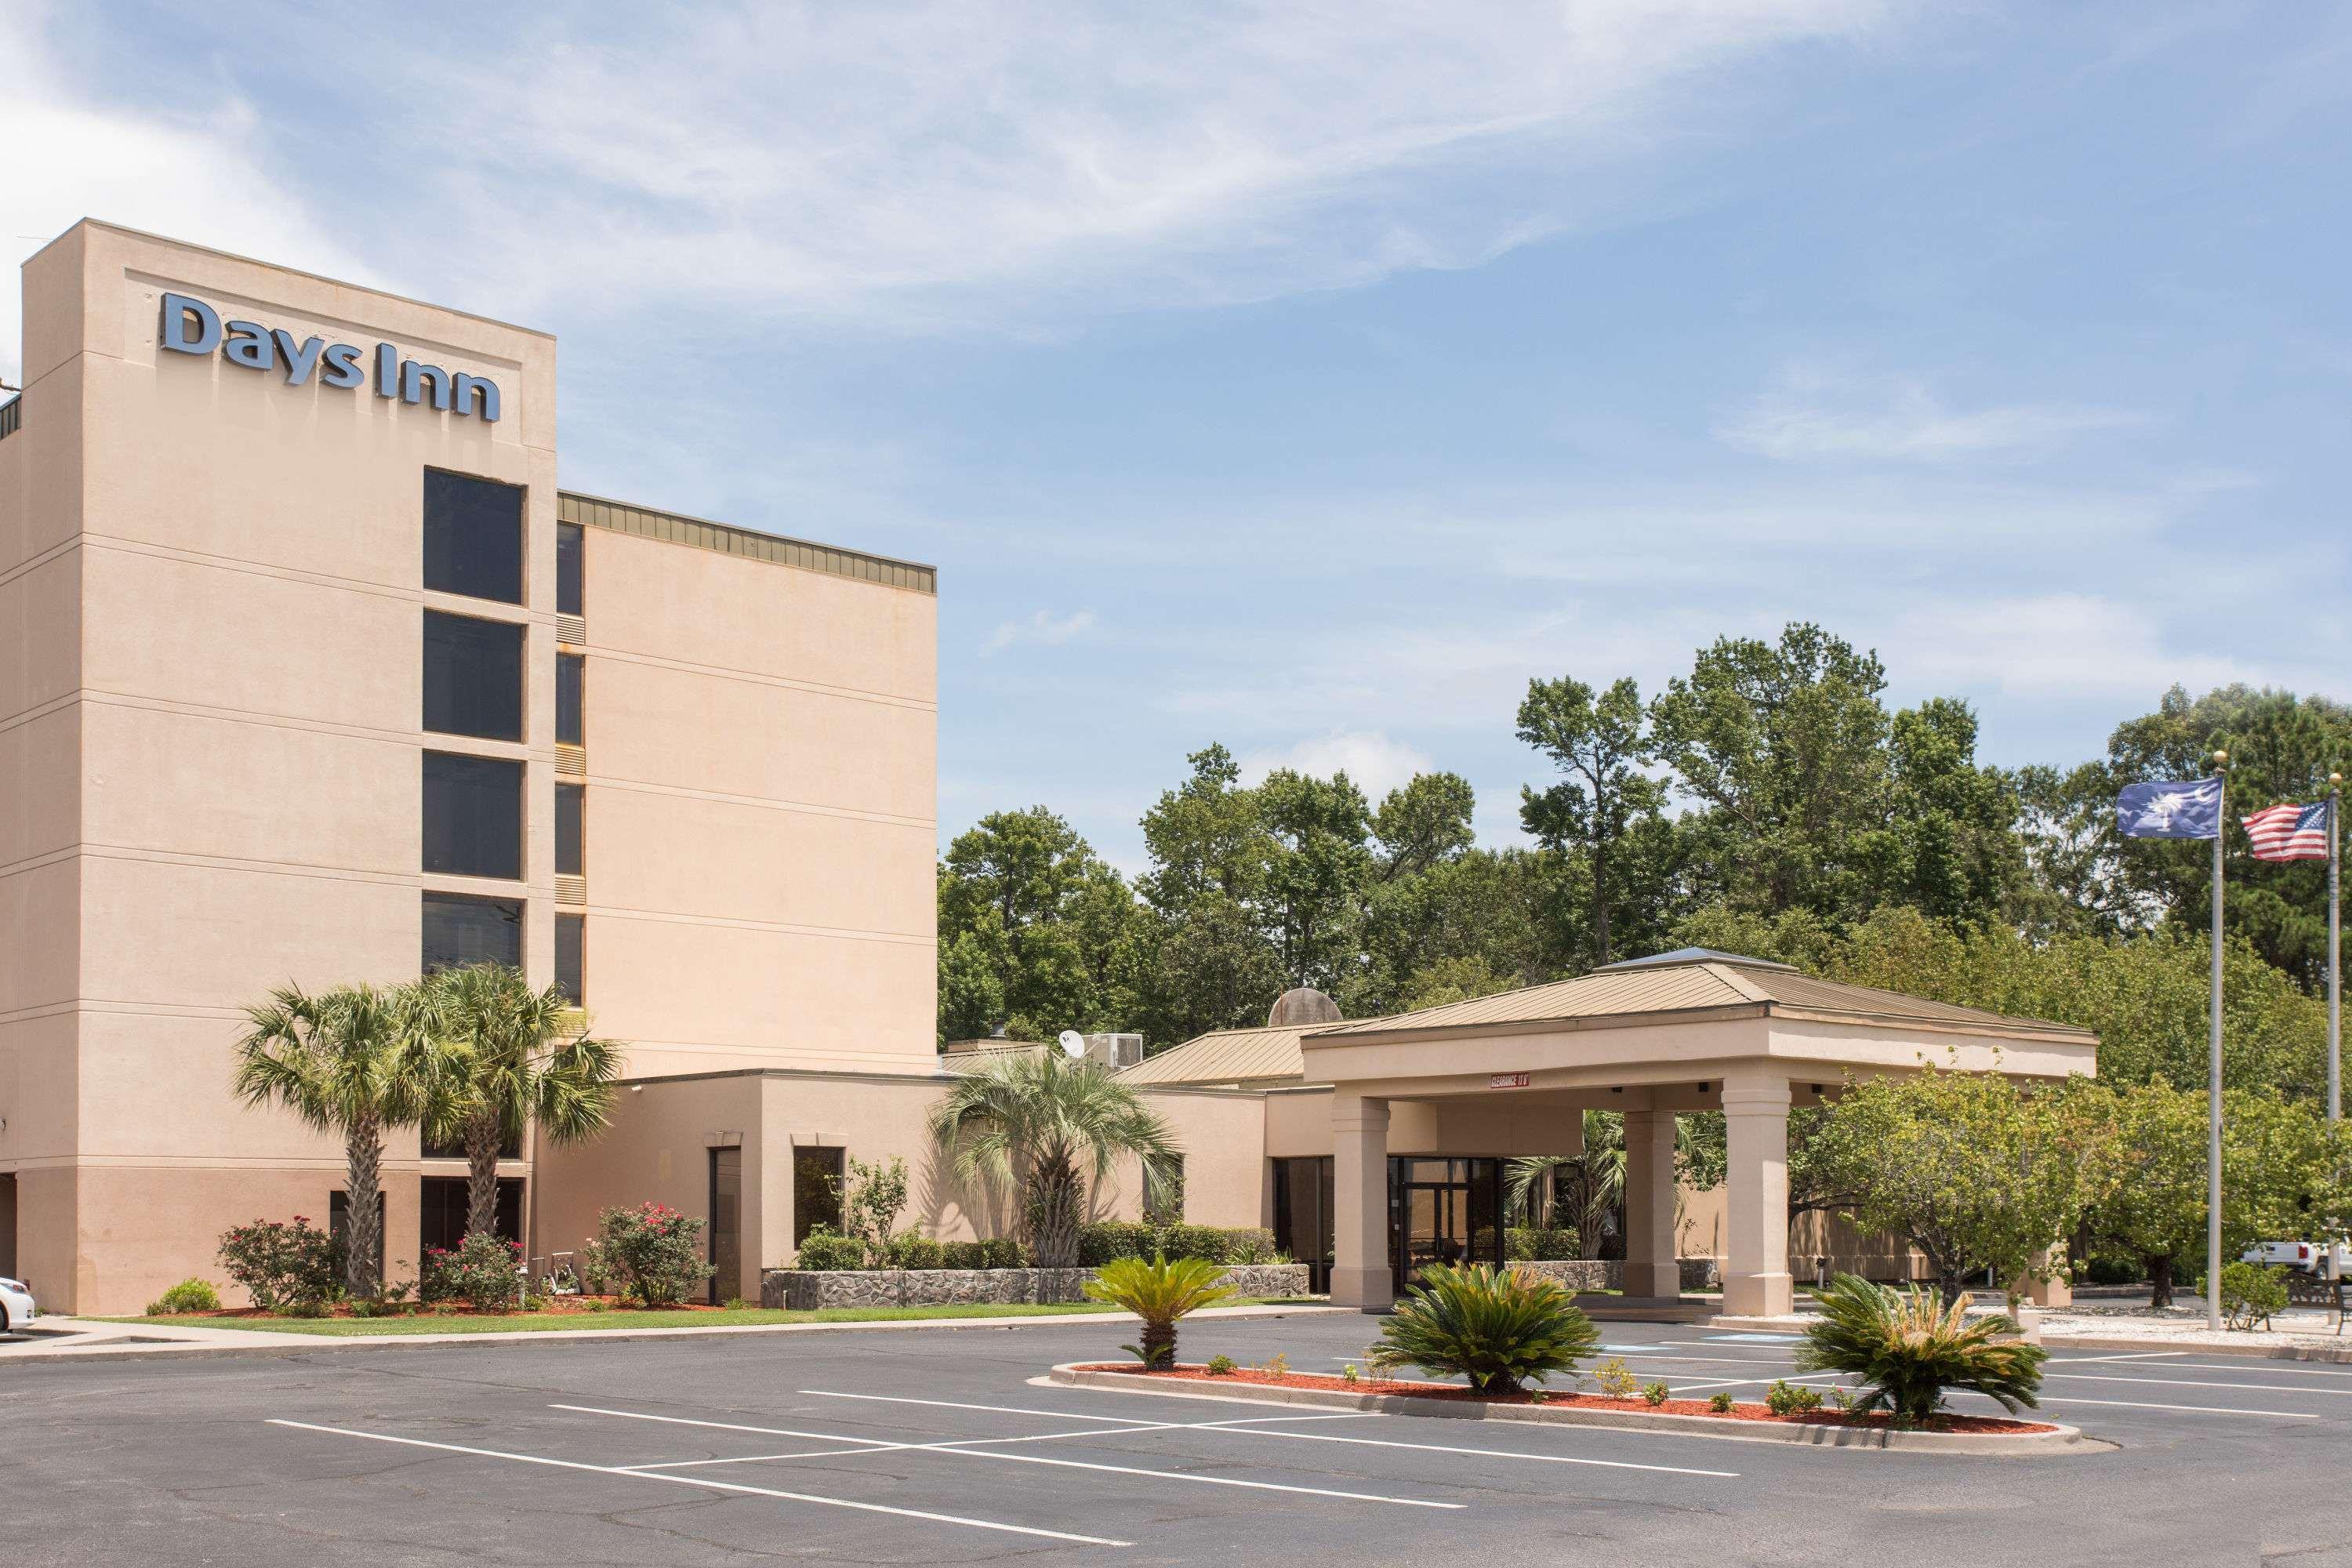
(1719, 1402)
(1907, 1348)
(1526, 1244)
(827, 1251)
(1102, 1242)
(2105, 1270)
(912, 1250)
(1250, 1245)
(1004, 1252)
(1496, 1327)
(480, 1271)
(963, 1255)
(1161, 1292)
(1220, 1366)
(600, 1275)
(188, 1296)
(282, 1266)
(2250, 1293)
(1657, 1394)
(658, 1252)
(738, 1304)
(1789, 1399)
(1616, 1379)
(1205, 1242)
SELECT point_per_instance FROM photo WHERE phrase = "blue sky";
(1308, 377)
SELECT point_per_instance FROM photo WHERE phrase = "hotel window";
(571, 808)
(570, 542)
(473, 537)
(570, 957)
(473, 676)
(459, 930)
(472, 816)
(571, 674)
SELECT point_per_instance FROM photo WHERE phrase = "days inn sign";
(191, 327)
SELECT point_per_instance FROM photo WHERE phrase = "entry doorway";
(1302, 1215)
(817, 1191)
(1443, 1211)
(726, 1224)
(8, 1225)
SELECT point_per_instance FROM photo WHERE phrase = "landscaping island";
(1825, 1427)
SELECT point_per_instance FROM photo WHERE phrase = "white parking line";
(957, 1443)
(2194, 1383)
(712, 1486)
(2301, 1369)
(2132, 1356)
(1332, 1437)
(963, 1450)
(2194, 1409)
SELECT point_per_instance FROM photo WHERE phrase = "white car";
(2304, 1256)
(17, 1306)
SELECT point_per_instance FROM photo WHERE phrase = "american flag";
(2289, 832)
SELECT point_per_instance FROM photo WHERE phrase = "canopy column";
(1361, 1275)
(1651, 1270)
(1756, 1281)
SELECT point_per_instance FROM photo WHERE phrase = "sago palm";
(1049, 1125)
(355, 1061)
(514, 1062)
(1160, 1293)
(1496, 1327)
(1907, 1348)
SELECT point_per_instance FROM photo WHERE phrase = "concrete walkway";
(79, 1338)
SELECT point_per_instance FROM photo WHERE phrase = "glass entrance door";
(1443, 1211)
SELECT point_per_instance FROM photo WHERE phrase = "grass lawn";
(573, 1322)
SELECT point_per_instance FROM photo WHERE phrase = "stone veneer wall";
(806, 1291)
(1609, 1274)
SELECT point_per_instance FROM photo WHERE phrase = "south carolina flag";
(2177, 808)
(2289, 832)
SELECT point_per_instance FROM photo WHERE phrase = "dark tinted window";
(460, 929)
(570, 673)
(473, 537)
(571, 956)
(472, 816)
(473, 676)
(571, 540)
(570, 859)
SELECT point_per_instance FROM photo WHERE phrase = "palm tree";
(1041, 1121)
(357, 1061)
(511, 1065)
(1589, 1188)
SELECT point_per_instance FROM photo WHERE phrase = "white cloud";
(1376, 764)
(2055, 646)
(1813, 415)
(202, 175)
(1042, 629)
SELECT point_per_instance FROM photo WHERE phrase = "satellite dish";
(1074, 1043)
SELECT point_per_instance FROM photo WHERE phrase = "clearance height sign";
(191, 327)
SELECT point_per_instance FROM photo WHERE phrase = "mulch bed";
(547, 1306)
(1988, 1426)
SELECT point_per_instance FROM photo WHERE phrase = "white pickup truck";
(2331, 1262)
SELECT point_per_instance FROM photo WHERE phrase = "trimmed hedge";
(1101, 1244)
(828, 1252)
(826, 1248)
(1522, 1244)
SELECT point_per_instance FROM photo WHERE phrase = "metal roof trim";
(730, 539)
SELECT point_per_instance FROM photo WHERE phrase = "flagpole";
(2335, 953)
(2213, 1070)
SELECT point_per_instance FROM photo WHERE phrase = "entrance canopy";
(1687, 1031)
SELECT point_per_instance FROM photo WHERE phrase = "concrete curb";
(2334, 1353)
(140, 1344)
(2033, 1445)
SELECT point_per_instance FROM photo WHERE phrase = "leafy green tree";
(516, 1057)
(1600, 741)
(1477, 922)
(1204, 837)
(1423, 823)
(1208, 967)
(356, 1061)
(1035, 930)
(1052, 1127)
(1966, 1167)
(1316, 866)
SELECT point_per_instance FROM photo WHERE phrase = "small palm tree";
(356, 1061)
(1160, 1293)
(515, 1060)
(1909, 1348)
(1049, 1125)
(1495, 1326)
(1589, 1188)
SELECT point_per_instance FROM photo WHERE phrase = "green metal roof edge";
(726, 539)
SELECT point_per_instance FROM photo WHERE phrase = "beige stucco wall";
(658, 1152)
(211, 603)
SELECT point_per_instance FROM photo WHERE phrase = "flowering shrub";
(480, 1271)
(656, 1250)
(282, 1266)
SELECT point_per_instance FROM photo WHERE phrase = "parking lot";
(922, 1447)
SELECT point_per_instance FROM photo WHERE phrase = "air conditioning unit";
(1115, 1051)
